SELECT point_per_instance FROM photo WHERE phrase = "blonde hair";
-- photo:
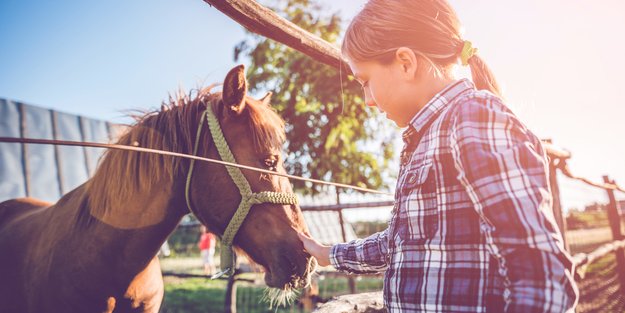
(429, 27)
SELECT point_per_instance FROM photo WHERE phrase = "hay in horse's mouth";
(279, 297)
(294, 281)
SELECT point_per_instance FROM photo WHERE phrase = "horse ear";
(266, 100)
(235, 90)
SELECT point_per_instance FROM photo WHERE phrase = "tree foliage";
(331, 134)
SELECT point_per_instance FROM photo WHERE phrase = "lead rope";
(248, 198)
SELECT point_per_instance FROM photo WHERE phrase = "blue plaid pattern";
(472, 228)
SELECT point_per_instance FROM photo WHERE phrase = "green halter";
(248, 198)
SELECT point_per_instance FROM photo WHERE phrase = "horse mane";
(122, 174)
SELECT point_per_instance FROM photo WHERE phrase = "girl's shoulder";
(479, 100)
(479, 106)
(481, 114)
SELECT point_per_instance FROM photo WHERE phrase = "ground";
(191, 295)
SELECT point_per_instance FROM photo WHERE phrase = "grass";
(599, 266)
(182, 264)
(330, 287)
(599, 289)
(194, 295)
(587, 240)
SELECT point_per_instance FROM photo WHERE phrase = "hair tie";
(467, 52)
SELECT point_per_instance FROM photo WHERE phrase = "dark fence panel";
(46, 172)
(12, 180)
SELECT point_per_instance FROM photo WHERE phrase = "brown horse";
(94, 250)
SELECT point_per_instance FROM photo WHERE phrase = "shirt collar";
(435, 105)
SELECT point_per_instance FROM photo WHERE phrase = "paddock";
(593, 235)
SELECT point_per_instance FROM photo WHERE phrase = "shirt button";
(412, 178)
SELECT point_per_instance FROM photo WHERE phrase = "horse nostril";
(298, 282)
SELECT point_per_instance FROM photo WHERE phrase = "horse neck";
(121, 241)
(155, 211)
(73, 248)
(144, 208)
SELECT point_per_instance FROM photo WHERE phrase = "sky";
(560, 63)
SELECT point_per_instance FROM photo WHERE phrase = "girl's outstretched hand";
(316, 249)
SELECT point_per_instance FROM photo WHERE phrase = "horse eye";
(271, 163)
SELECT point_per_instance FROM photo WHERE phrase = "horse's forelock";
(267, 127)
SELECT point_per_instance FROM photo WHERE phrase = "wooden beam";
(263, 21)
(554, 151)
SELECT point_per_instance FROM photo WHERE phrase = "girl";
(472, 228)
(207, 250)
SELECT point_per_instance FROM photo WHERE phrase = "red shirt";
(206, 241)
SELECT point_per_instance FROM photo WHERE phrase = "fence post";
(557, 204)
(311, 295)
(230, 305)
(351, 282)
(615, 224)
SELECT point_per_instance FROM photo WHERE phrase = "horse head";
(255, 135)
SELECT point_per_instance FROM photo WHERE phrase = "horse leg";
(145, 292)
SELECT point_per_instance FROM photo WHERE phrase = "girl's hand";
(316, 249)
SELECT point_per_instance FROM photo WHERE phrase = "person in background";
(207, 250)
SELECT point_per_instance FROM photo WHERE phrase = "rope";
(248, 198)
(91, 144)
(187, 187)
(225, 153)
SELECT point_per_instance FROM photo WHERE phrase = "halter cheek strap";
(248, 198)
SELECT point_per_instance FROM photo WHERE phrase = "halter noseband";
(248, 198)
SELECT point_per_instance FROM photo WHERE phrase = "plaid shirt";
(472, 229)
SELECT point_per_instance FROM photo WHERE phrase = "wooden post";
(342, 224)
(351, 282)
(311, 294)
(230, 303)
(340, 211)
(557, 204)
(615, 224)
(557, 155)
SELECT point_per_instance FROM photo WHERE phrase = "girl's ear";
(408, 61)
